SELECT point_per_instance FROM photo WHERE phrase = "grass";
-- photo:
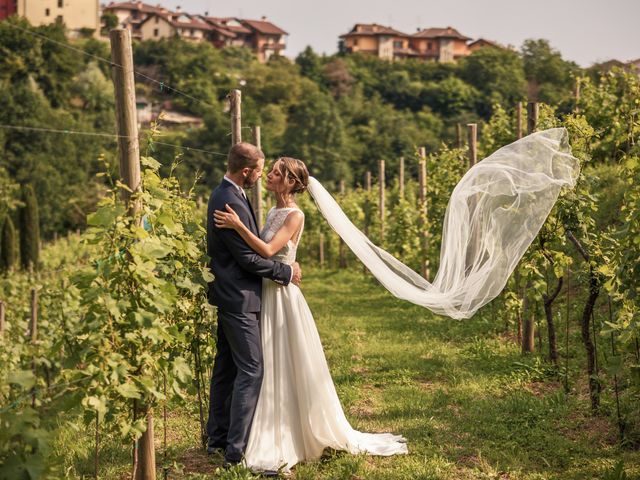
(470, 405)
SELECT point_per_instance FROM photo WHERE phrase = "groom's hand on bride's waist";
(297, 274)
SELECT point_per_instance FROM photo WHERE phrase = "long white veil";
(493, 215)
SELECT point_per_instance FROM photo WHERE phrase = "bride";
(298, 413)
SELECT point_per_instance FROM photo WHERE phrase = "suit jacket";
(237, 286)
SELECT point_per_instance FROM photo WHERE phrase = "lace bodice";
(275, 220)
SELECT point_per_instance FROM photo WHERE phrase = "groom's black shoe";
(270, 474)
(215, 448)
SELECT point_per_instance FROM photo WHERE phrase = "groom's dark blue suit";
(236, 291)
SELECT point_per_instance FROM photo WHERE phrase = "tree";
(29, 229)
(549, 77)
(9, 253)
(498, 74)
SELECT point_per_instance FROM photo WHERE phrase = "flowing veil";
(493, 215)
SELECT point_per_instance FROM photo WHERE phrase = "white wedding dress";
(298, 413)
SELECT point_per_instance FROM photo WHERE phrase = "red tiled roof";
(140, 6)
(174, 20)
(368, 29)
(263, 26)
(448, 32)
(487, 42)
(223, 22)
(188, 21)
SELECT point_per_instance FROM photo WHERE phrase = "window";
(429, 45)
(157, 19)
(155, 32)
(47, 12)
(60, 3)
(191, 32)
(355, 42)
(397, 44)
(59, 19)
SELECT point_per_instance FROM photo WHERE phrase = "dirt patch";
(196, 460)
(542, 389)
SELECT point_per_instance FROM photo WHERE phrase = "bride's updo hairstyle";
(296, 170)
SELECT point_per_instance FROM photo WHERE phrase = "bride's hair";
(296, 170)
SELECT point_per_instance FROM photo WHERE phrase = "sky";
(585, 31)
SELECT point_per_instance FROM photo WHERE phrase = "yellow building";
(79, 16)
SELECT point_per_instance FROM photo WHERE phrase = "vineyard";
(106, 343)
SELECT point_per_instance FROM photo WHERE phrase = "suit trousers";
(235, 382)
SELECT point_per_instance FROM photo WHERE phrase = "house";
(168, 24)
(265, 39)
(131, 14)
(228, 31)
(482, 43)
(80, 17)
(440, 44)
(377, 40)
(8, 8)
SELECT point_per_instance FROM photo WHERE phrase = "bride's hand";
(228, 219)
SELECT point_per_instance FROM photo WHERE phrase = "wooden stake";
(126, 115)
(519, 120)
(129, 150)
(343, 252)
(472, 130)
(422, 179)
(459, 135)
(401, 179)
(381, 198)
(321, 250)
(2, 327)
(577, 96)
(256, 196)
(367, 181)
(235, 101)
(532, 117)
(33, 324)
(33, 334)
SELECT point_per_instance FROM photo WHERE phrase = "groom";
(236, 291)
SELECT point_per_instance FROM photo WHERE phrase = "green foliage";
(29, 229)
(9, 245)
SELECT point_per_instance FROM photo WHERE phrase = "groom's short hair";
(243, 155)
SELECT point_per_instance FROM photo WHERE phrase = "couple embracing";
(272, 400)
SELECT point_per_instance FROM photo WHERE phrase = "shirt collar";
(233, 183)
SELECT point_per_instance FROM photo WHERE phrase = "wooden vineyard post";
(577, 96)
(472, 129)
(401, 179)
(532, 117)
(126, 115)
(321, 250)
(459, 135)
(235, 101)
(343, 250)
(381, 198)
(472, 133)
(129, 151)
(519, 120)
(2, 314)
(422, 180)
(33, 336)
(528, 309)
(367, 207)
(367, 186)
(256, 196)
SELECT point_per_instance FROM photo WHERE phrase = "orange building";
(378, 40)
(440, 44)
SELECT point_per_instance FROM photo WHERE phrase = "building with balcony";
(80, 17)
